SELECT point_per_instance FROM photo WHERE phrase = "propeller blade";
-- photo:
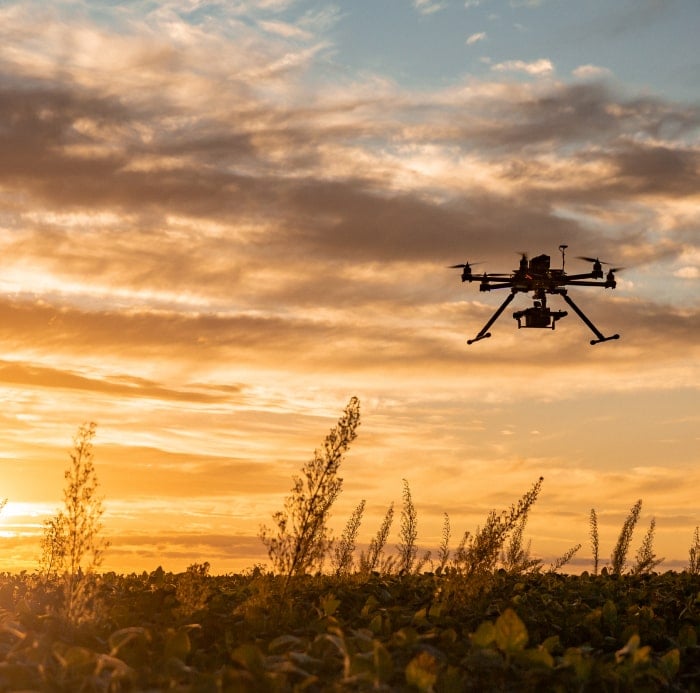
(616, 269)
(592, 259)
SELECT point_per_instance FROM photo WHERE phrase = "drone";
(535, 275)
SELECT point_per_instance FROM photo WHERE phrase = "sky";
(219, 221)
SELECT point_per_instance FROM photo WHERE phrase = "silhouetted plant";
(516, 558)
(694, 554)
(342, 559)
(374, 559)
(564, 559)
(301, 538)
(595, 543)
(72, 545)
(479, 553)
(646, 559)
(193, 589)
(444, 549)
(53, 547)
(408, 532)
(619, 556)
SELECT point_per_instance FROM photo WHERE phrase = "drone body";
(536, 276)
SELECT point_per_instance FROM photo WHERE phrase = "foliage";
(196, 632)
(302, 539)
(342, 559)
(618, 559)
(72, 545)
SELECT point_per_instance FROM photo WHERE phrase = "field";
(426, 632)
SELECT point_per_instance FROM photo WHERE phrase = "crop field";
(483, 616)
(421, 632)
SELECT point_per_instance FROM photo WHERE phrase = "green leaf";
(670, 663)
(551, 643)
(629, 649)
(178, 645)
(539, 657)
(609, 615)
(124, 636)
(422, 672)
(251, 658)
(329, 604)
(687, 636)
(511, 633)
(420, 618)
(581, 663)
(370, 605)
(484, 636)
(383, 663)
(284, 643)
(405, 637)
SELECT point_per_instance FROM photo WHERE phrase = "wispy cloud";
(428, 6)
(537, 67)
(591, 71)
(476, 38)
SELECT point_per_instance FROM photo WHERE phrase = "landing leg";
(584, 317)
(484, 330)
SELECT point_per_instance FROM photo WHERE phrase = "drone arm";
(584, 317)
(604, 285)
(487, 286)
(484, 333)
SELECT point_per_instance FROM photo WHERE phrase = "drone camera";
(538, 316)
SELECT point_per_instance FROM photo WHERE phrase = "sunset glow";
(220, 221)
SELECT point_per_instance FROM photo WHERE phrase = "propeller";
(592, 259)
(464, 264)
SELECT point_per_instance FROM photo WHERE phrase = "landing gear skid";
(485, 334)
(553, 316)
(584, 317)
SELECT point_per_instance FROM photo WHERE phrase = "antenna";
(563, 248)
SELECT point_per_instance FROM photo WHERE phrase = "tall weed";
(301, 538)
(373, 559)
(480, 552)
(618, 560)
(342, 558)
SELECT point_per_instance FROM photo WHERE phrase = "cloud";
(208, 242)
(537, 67)
(475, 38)
(590, 72)
(428, 6)
(687, 273)
(285, 30)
